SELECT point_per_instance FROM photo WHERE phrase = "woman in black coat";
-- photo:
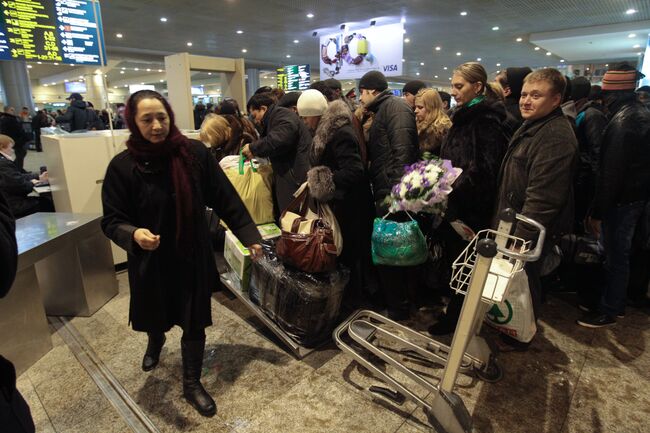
(337, 177)
(154, 197)
(476, 142)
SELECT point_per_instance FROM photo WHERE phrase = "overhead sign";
(294, 77)
(349, 54)
(65, 31)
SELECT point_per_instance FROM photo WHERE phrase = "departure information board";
(65, 31)
(294, 77)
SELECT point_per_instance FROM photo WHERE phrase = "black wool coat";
(476, 142)
(285, 141)
(16, 184)
(170, 287)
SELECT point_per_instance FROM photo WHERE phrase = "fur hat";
(373, 80)
(312, 103)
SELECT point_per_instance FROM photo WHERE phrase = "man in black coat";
(536, 177)
(285, 141)
(392, 145)
(78, 116)
(17, 183)
(623, 188)
(14, 411)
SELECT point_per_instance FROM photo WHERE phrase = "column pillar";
(15, 80)
(253, 81)
(95, 90)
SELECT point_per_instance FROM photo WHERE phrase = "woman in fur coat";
(337, 176)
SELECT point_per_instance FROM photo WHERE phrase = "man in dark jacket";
(11, 125)
(623, 188)
(285, 141)
(590, 124)
(17, 183)
(14, 411)
(411, 89)
(512, 80)
(392, 145)
(78, 116)
(536, 177)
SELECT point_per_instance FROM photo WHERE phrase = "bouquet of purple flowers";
(424, 187)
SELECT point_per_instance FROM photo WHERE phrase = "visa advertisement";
(349, 54)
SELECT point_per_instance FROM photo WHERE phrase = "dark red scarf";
(176, 149)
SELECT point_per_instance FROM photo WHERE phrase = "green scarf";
(476, 100)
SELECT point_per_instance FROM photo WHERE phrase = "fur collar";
(338, 115)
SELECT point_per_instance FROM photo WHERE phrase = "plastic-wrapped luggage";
(305, 306)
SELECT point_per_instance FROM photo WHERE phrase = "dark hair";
(595, 93)
(643, 89)
(132, 108)
(263, 89)
(445, 97)
(550, 75)
(260, 100)
(327, 91)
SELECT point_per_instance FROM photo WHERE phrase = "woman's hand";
(256, 252)
(146, 240)
(246, 151)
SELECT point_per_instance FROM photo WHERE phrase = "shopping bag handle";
(242, 161)
(407, 213)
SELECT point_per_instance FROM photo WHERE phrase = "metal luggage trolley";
(482, 272)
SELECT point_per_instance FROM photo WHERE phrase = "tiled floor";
(571, 380)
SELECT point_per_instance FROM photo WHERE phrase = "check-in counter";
(76, 165)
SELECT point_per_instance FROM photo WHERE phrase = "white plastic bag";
(514, 316)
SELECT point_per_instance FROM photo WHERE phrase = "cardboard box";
(239, 258)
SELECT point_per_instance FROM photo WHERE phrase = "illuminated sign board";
(65, 31)
(294, 77)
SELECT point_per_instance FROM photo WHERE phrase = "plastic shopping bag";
(254, 186)
(514, 315)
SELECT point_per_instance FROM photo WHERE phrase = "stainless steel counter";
(65, 268)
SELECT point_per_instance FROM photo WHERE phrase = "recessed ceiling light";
(81, 77)
(142, 84)
(136, 69)
(121, 72)
(160, 70)
(417, 73)
(244, 50)
(288, 56)
(148, 70)
(478, 59)
(54, 84)
(209, 73)
(449, 78)
(56, 64)
(445, 68)
(631, 11)
(637, 46)
(421, 63)
(403, 20)
(265, 77)
(536, 48)
(114, 87)
(438, 48)
(239, 32)
(163, 19)
(296, 41)
(435, 76)
(119, 35)
(310, 15)
(189, 44)
(586, 69)
(463, 14)
(495, 28)
(632, 35)
(459, 53)
(126, 85)
(403, 60)
(561, 60)
(606, 64)
(499, 71)
(548, 53)
(407, 40)
(498, 64)
(29, 66)
(519, 39)
(44, 85)
(39, 63)
(162, 81)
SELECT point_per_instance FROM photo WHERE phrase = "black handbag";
(581, 250)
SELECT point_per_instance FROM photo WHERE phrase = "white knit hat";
(312, 103)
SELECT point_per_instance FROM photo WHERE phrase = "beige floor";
(571, 380)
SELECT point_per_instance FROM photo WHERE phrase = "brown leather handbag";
(307, 240)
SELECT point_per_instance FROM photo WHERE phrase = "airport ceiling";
(269, 29)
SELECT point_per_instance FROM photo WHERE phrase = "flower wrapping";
(424, 187)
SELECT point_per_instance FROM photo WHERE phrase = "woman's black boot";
(154, 346)
(193, 391)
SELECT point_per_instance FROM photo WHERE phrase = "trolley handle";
(530, 256)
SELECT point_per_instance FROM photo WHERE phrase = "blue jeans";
(617, 233)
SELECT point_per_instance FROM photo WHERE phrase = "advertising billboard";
(294, 77)
(348, 54)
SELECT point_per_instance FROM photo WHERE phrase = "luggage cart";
(482, 272)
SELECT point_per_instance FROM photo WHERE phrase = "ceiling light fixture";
(44, 85)
(421, 63)
(403, 60)
(632, 35)
(403, 20)
(39, 63)
(495, 28)
(636, 46)
(407, 40)
(631, 11)
(239, 32)
(561, 60)
(119, 35)
(163, 19)
(296, 41)
(160, 70)
(548, 53)
(444, 67)
(288, 56)
(435, 76)
(459, 53)
(438, 48)
(136, 69)
(56, 64)
(121, 72)
(148, 70)
(463, 14)
(244, 50)
(209, 73)
(478, 59)
(310, 15)
(536, 48)
(29, 66)
(498, 64)
(417, 73)
(189, 44)
(519, 39)
(162, 81)
(639, 53)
